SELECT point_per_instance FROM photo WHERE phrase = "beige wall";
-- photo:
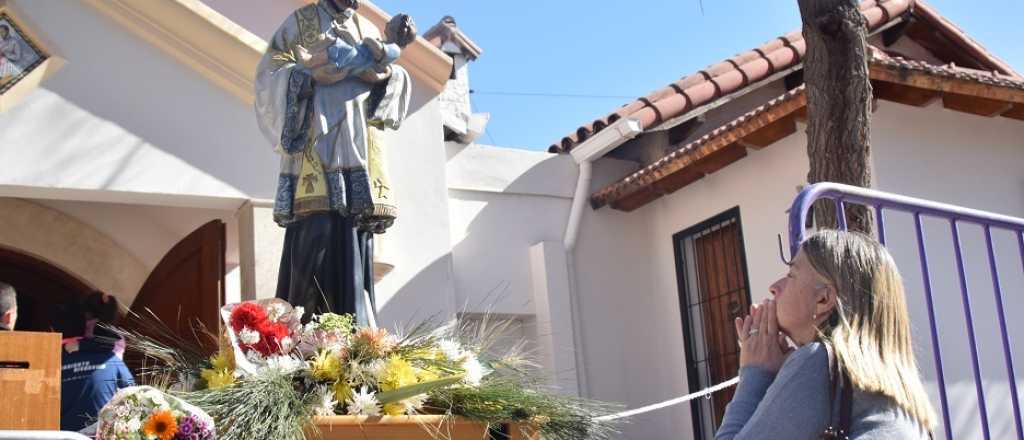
(73, 246)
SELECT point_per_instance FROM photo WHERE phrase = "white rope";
(669, 403)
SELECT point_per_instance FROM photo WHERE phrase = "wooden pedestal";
(410, 428)
(29, 381)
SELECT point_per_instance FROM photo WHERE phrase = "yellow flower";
(162, 425)
(426, 375)
(342, 392)
(397, 373)
(216, 379)
(394, 408)
(325, 366)
(222, 361)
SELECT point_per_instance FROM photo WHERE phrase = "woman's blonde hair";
(869, 328)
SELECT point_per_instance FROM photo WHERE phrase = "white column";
(549, 277)
(259, 246)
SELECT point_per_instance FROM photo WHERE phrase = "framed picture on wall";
(19, 55)
(24, 59)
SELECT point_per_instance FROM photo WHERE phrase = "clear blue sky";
(626, 49)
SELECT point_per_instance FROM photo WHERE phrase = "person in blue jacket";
(91, 372)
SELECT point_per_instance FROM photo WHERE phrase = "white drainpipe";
(585, 154)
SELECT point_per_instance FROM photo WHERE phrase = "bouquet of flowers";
(145, 413)
(262, 333)
(273, 374)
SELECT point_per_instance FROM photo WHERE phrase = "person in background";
(91, 373)
(8, 306)
(101, 309)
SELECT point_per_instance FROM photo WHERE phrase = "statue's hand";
(376, 48)
(373, 76)
(329, 74)
(303, 56)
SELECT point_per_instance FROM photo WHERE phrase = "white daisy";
(363, 403)
(475, 371)
(451, 349)
(375, 369)
(282, 364)
(134, 425)
(249, 336)
(325, 402)
(415, 403)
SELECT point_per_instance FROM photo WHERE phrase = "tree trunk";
(838, 102)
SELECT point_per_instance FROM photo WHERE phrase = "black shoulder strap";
(839, 384)
(845, 403)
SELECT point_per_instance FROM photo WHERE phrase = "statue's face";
(342, 5)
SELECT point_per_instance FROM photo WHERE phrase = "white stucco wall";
(976, 162)
(502, 201)
(122, 115)
(762, 185)
(930, 153)
(421, 284)
(506, 203)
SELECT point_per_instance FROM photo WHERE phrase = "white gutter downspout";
(585, 154)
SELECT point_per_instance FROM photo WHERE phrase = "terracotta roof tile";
(744, 69)
(960, 38)
(448, 30)
(651, 173)
(693, 150)
(948, 71)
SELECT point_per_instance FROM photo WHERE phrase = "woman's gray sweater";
(794, 405)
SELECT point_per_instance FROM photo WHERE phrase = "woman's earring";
(814, 316)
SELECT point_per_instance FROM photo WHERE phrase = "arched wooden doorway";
(187, 287)
(42, 288)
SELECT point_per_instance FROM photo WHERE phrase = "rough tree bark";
(838, 102)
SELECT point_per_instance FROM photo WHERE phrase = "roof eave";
(227, 54)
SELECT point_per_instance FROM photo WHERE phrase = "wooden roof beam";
(902, 94)
(974, 105)
(770, 133)
(1017, 112)
(946, 84)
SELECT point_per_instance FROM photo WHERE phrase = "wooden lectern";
(29, 381)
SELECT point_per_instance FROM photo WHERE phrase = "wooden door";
(723, 295)
(43, 289)
(712, 275)
(187, 287)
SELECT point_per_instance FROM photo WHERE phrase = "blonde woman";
(842, 304)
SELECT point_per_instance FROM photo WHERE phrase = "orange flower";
(162, 425)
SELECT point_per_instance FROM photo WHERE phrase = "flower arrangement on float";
(273, 375)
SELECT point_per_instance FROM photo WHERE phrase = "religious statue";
(325, 89)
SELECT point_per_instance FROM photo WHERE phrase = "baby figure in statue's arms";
(337, 55)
